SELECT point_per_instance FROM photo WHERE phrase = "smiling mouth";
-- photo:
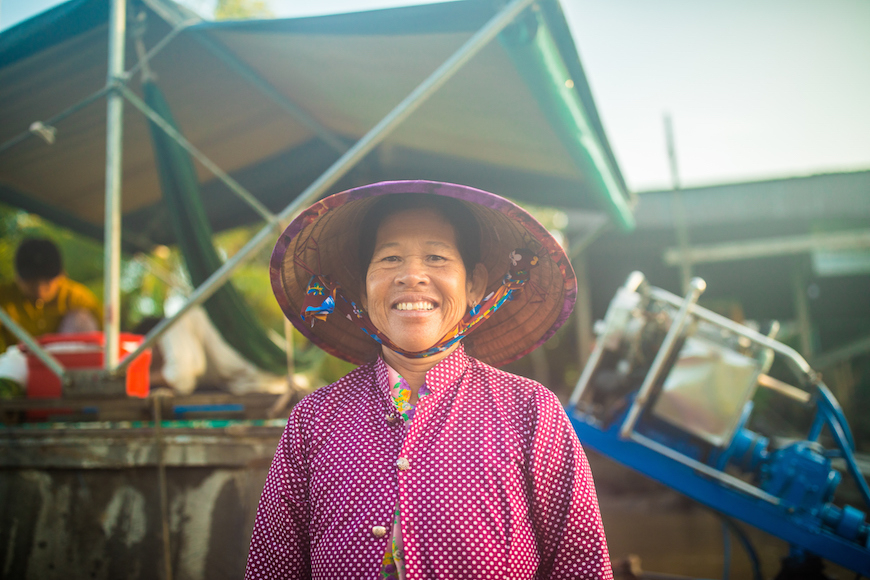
(414, 306)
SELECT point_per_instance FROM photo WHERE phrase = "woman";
(426, 462)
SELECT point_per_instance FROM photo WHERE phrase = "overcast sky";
(756, 89)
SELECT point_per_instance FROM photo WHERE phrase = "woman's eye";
(390, 259)
(436, 258)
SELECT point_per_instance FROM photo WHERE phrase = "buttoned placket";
(410, 446)
(419, 438)
(393, 421)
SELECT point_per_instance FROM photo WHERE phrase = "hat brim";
(325, 238)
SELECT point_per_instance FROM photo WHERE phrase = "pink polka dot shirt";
(491, 479)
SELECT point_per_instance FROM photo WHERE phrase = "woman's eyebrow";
(435, 243)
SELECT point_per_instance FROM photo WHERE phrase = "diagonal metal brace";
(33, 346)
(344, 164)
(234, 185)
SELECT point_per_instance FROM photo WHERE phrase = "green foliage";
(143, 292)
(241, 10)
(82, 257)
(252, 279)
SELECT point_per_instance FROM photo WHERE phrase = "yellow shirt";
(44, 317)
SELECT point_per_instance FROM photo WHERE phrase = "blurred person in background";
(41, 300)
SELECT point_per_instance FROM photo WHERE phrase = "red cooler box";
(84, 351)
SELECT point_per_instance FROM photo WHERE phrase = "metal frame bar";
(146, 58)
(697, 286)
(234, 185)
(24, 135)
(34, 347)
(784, 389)
(766, 248)
(842, 353)
(716, 474)
(338, 169)
(249, 74)
(588, 238)
(116, 91)
(634, 281)
(800, 365)
(114, 169)
(257, 81)
(678, 209)
(162, 487)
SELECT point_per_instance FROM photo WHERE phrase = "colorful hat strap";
(323, 297)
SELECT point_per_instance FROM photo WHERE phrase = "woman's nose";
(412, 272)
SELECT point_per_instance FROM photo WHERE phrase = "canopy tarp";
(518, 119)
(226, 307)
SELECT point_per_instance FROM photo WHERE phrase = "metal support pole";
(579, 246)
(114, 153)
(624, 296)
(697, 287)
(283, 401)
(162, 487)
(344, 164)
(802, 310)
(679, 211)
(583, 312)
(33, 346)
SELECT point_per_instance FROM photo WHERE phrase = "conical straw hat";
(325, 239)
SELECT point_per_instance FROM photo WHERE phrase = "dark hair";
(38, 259)
(454, 211)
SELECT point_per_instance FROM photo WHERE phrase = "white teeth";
(415, 306)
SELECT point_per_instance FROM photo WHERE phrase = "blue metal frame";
(776, 520)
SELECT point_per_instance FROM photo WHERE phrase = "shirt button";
(379, 531)
(403, 464)
(391, 418)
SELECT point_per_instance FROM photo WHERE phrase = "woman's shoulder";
(337, 394)
(507, 384)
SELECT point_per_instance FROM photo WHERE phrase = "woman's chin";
(419, 347)
(411, 341)
(414, 346)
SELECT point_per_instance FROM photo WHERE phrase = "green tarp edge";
(226, 308)
(534, 52)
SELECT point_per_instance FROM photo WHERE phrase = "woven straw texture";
(325, 238)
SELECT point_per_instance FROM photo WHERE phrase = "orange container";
(84, 351)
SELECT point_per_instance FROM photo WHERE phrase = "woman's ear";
(476, 284)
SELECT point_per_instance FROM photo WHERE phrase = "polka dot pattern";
(497, 484)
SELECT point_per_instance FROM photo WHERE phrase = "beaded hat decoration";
(317, 279)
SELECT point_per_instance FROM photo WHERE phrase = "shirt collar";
(444, 374)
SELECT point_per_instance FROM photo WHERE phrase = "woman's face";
(416, 287)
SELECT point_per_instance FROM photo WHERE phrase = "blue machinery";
(668, 391)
